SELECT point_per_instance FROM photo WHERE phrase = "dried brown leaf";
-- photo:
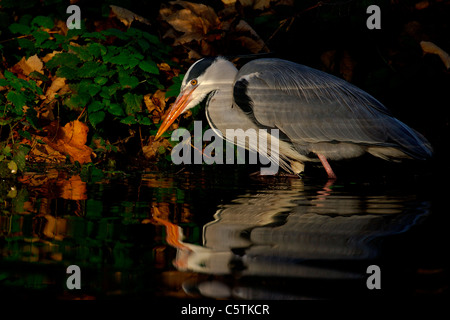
(126, 16)
(154, 147)
(49, 56)
(73, 188)
(24, 67)
(194, 20)
(422, 5)
(249, 38)
(229, 2)
(45, 153)
(155, 102)
(430, 47)
(70, 140)
(56, 85)
(256, 4)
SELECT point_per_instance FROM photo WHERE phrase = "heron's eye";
(194, 82)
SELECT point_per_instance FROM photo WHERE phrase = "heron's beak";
(177, 108)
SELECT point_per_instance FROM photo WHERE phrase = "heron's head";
(203, 77)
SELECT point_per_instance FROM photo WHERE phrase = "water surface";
(222, 235)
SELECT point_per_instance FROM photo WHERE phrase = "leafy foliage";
(106, 74)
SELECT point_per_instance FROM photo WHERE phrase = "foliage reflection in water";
(189, 235)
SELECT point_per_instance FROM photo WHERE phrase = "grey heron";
(320, 117)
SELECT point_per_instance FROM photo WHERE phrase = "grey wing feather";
(310, 106)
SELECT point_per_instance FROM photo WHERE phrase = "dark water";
(222, 234)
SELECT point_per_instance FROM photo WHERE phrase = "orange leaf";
(70, 140)
(73, 188)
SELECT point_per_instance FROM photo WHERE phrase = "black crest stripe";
(199, 68)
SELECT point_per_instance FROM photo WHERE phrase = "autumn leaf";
(126, 16)
(70, 140)
(155, 104)
(430, 47)
(249, 38)
(26, 66)
(155, 147)
(256, 4)
(194, 21)
(45, 153)
(203, 32)
(73, 188)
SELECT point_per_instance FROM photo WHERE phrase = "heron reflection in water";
(319, 117)
(298, 231)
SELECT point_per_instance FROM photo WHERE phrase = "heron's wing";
(310, 106)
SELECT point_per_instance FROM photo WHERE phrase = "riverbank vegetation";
(92, 99)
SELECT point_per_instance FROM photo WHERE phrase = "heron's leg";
(327, 166)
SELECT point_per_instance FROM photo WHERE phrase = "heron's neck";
(219, 105)
(221, 112)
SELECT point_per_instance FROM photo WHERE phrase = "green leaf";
(93, 35)
(121, 59)
(129, 120)
(60, 39)
(151, 38)
(12, 165)
(143, 44)
(145, 121)
(96, 49)
(26, 44)
(91, 69)
(7, 151)
(116, 109)
(100, 80)
(41, 21)
(96, 117)
(4, 122)
(49, 44)
(31, 117)
(72, 33)
(82, 52)
(94, 89)
(18, 99)
(63, 59)
(19, 159)
(19, 28)
(25, 134)
(67, 72)
(40, 36)
(95, 106)
(108, 91)
(127, 81)
(38, 76)
(149, 66)
(77, 100)
(132, 103)
(133, 62)
(116, 33)
(174, 89)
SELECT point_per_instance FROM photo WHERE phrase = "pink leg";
(327, 167)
